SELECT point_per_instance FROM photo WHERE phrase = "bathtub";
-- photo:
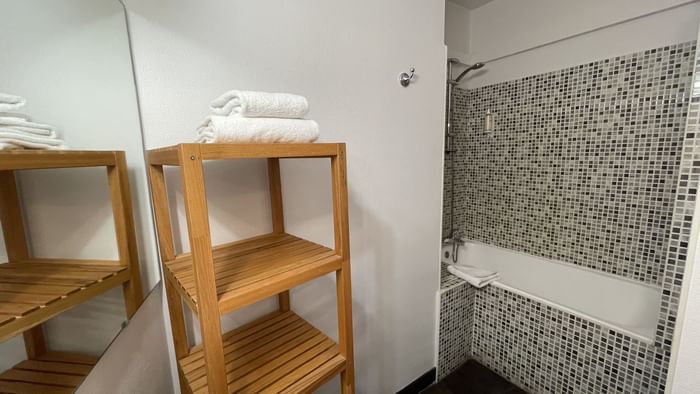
(626, 306)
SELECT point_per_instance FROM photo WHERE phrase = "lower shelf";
(280, 353)
(51, 373)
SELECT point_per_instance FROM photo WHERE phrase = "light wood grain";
(17, 248)
(35, 312)
(37, 159)
(33, 290)
(279, 350)
(278, 353)
(51, 372)
(122, 211)
(343, 282)
(203, 265)
(277, 213)
(262, 151)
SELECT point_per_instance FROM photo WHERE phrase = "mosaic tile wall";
(684, 207)
(545, 350)
(456, 321)
(583, 164)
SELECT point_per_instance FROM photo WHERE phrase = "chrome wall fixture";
(405, 78)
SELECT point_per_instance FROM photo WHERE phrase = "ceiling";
(471, 4)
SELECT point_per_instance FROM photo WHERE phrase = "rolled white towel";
(15, 140)
(476, 277)
(260, 105)
(227, 129)
(10, 102)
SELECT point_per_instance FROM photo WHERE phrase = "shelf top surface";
(170, 155)
(44, 159)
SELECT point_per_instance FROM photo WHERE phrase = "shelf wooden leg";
(343, 283)
(17, 248)
(277, 210)
(34, 342)
(177, 324)
(159, 195)
(203, 262)
(345, 338)
(124, 228)
(11, 218)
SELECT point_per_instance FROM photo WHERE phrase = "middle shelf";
(253, 269)
(32, 291)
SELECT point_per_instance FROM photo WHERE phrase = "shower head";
(474, 66)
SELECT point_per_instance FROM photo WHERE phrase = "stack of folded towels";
(258, 117)
(17, 131)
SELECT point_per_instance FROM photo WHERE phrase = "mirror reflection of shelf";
(33, 290)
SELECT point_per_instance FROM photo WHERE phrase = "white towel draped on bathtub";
(228, 129)
(260, 105)
(476, 277)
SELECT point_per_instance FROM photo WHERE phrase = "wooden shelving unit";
(277, 353)
(33, 290)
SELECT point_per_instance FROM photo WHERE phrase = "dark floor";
(473, 378)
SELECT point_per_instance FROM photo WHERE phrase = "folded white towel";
(16, 124)
(227, 129)
(15, 115)
(9, 102)
(15, 140)
(260, 105)
(28, 130)
(476, 277)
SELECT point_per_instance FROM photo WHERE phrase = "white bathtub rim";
(569, 265)
(642, 338)
(604, 323)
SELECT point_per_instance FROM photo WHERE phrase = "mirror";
(70, 62)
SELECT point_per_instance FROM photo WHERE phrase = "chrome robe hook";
(405, 79)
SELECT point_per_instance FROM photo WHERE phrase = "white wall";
(517, 39)
(345, 57)
(71, 61)
(687, 344)
(137, 362)
(457, 30)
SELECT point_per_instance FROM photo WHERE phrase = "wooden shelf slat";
(53, 372)
(275, 353)
(31, 292)
(45, 159)
(251, 270)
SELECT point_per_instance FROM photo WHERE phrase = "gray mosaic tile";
(583, 164)
(456, 321)
(545, 350)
